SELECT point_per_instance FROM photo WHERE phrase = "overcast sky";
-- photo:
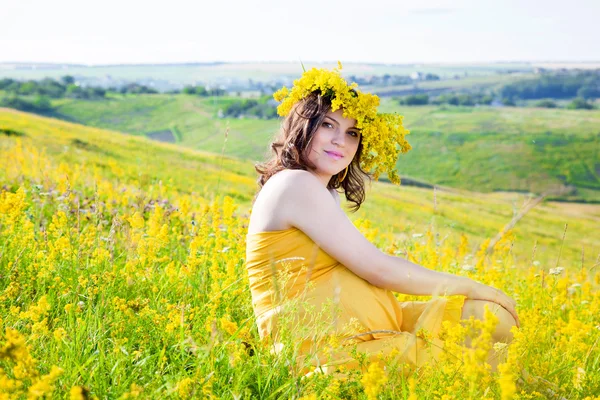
(377, 31)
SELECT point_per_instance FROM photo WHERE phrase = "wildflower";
(78, 393)
(134, 392)
(500, 346)
(412, 389)
(374, 380)
(579, 378)
(185, 387)
(44, 386)
(507, 381)
(556, 271)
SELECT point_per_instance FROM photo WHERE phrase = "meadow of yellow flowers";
(122, 276)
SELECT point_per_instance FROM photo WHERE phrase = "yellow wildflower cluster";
(25, 379)
(374, 380)
(383, 135)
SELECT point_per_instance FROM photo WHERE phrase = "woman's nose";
(339, 138)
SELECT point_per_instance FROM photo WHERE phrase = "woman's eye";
(327, 124)
(355, 134)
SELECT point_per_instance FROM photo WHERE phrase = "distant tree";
(556, 85)
(432, 77)
(507, 101)
(579, 103)
(196, 90)
(136, 88)
(415, 100)
(465, 100)
(486, 100)
(589, 92)
(453, 100)
(51, 88)
(546, 103)
(40, 104)
(258, 108)
(27, 88)
(67, 80)
(6, 83)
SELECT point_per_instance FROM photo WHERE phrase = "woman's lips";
(333, 155)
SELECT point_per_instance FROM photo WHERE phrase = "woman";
(303, 250)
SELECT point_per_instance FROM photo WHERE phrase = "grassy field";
(122, 264)
(475, 148)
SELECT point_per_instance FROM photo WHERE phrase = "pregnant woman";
(312, 274)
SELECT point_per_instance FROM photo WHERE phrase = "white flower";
(499, 346)
(536, 263)
(556, 271)
(468, 267)
(573, 288)
(417, 235)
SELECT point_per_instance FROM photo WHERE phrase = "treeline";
(263, 108)
(66, 87)
(580, 86)
(470, 100)
(35, 96)
(463, 99)
(200, 91)
(561, 85)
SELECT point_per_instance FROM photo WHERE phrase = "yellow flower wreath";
(381, 132)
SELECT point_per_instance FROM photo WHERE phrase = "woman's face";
(334, 145)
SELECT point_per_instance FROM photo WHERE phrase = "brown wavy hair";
(289, 150)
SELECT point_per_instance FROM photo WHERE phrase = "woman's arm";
(306, 204)
(403, 276)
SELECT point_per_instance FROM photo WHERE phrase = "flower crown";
(380, 132)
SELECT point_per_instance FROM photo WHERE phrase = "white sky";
(377, 31)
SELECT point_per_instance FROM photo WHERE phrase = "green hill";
(479, 149)
(397, 211)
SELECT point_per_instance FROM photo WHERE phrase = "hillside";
(123, 275)
(481, 149)
(397, 211)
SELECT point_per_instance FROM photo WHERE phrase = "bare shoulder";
(269, 210)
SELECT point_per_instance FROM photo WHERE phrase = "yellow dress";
(329, 311)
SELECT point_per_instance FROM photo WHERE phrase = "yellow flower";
(412, 386)
(78, 393)
(374, 380)
(185, 388)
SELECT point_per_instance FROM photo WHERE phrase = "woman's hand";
(479, 291)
